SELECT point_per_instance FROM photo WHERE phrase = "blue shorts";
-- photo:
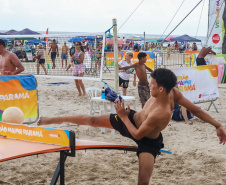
(64, 56)
(177, 115)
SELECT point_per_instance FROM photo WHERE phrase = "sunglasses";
(77, 44)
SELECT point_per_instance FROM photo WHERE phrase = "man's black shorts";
(200, 61)
(151, 146)
(41, 61)
(125, 83)
(53, 55)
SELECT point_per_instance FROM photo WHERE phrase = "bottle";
(103, 93)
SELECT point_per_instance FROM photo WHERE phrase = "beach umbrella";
(6, 40)
(134, 38)
(89, 38)
(75, 39)
(168, 38)
(35, 42)
(153, 40)
(110, 41)
(162, 40)
(27, 31)
(11, 32)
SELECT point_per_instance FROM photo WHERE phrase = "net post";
(115, 37)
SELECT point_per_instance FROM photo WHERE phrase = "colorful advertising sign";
(198, 83)
(210, 58)
(216, 25)
(36, 134)
(150, 59)
(19, 91)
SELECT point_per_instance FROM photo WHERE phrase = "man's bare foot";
(189, 122)
(80, 94)
(84, 94)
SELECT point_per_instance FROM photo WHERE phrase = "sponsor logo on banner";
(203, 95)
(216, 38)
(185, 84)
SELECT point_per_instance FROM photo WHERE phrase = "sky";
(151, 17)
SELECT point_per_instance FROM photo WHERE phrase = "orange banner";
(35, 134)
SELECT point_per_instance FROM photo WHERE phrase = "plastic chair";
(93, 92)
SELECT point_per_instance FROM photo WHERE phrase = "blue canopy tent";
(75, 39)
(185, 38)
(11, 32)
(6, 40)
(35, 42)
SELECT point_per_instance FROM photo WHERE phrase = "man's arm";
(147, 126)
(50, 49)
(17, 63)
(180, 99)
(149, 69)
(134, 80)
(128, 67)
(212, 52)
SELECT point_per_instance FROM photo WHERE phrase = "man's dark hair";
(2, 42)
(141, 55)
(165, 78)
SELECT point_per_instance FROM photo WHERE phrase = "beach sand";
(197, 157)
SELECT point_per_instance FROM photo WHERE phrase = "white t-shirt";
(125, 75)
(43, 52)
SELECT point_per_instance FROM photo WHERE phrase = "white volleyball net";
(26, 48)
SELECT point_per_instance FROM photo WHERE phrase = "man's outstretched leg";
(94, 121)
(146, 166)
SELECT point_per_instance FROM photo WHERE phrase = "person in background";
(136, 48)
(168, 51)
(72, 49)
(124, 75)
(205, 51)
(78, 67)
(194, 47)
(9, 62)
(98, 57)
(41, 59)
(119, 51)
(146, 46)
(10, 47)
(54, 51)
(180, 113)
(175, 46)
(64, 54)
(140, 67)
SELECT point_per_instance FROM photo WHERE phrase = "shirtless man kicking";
(9, 62)
(145, 127)
(54, 49)
(205, 51)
